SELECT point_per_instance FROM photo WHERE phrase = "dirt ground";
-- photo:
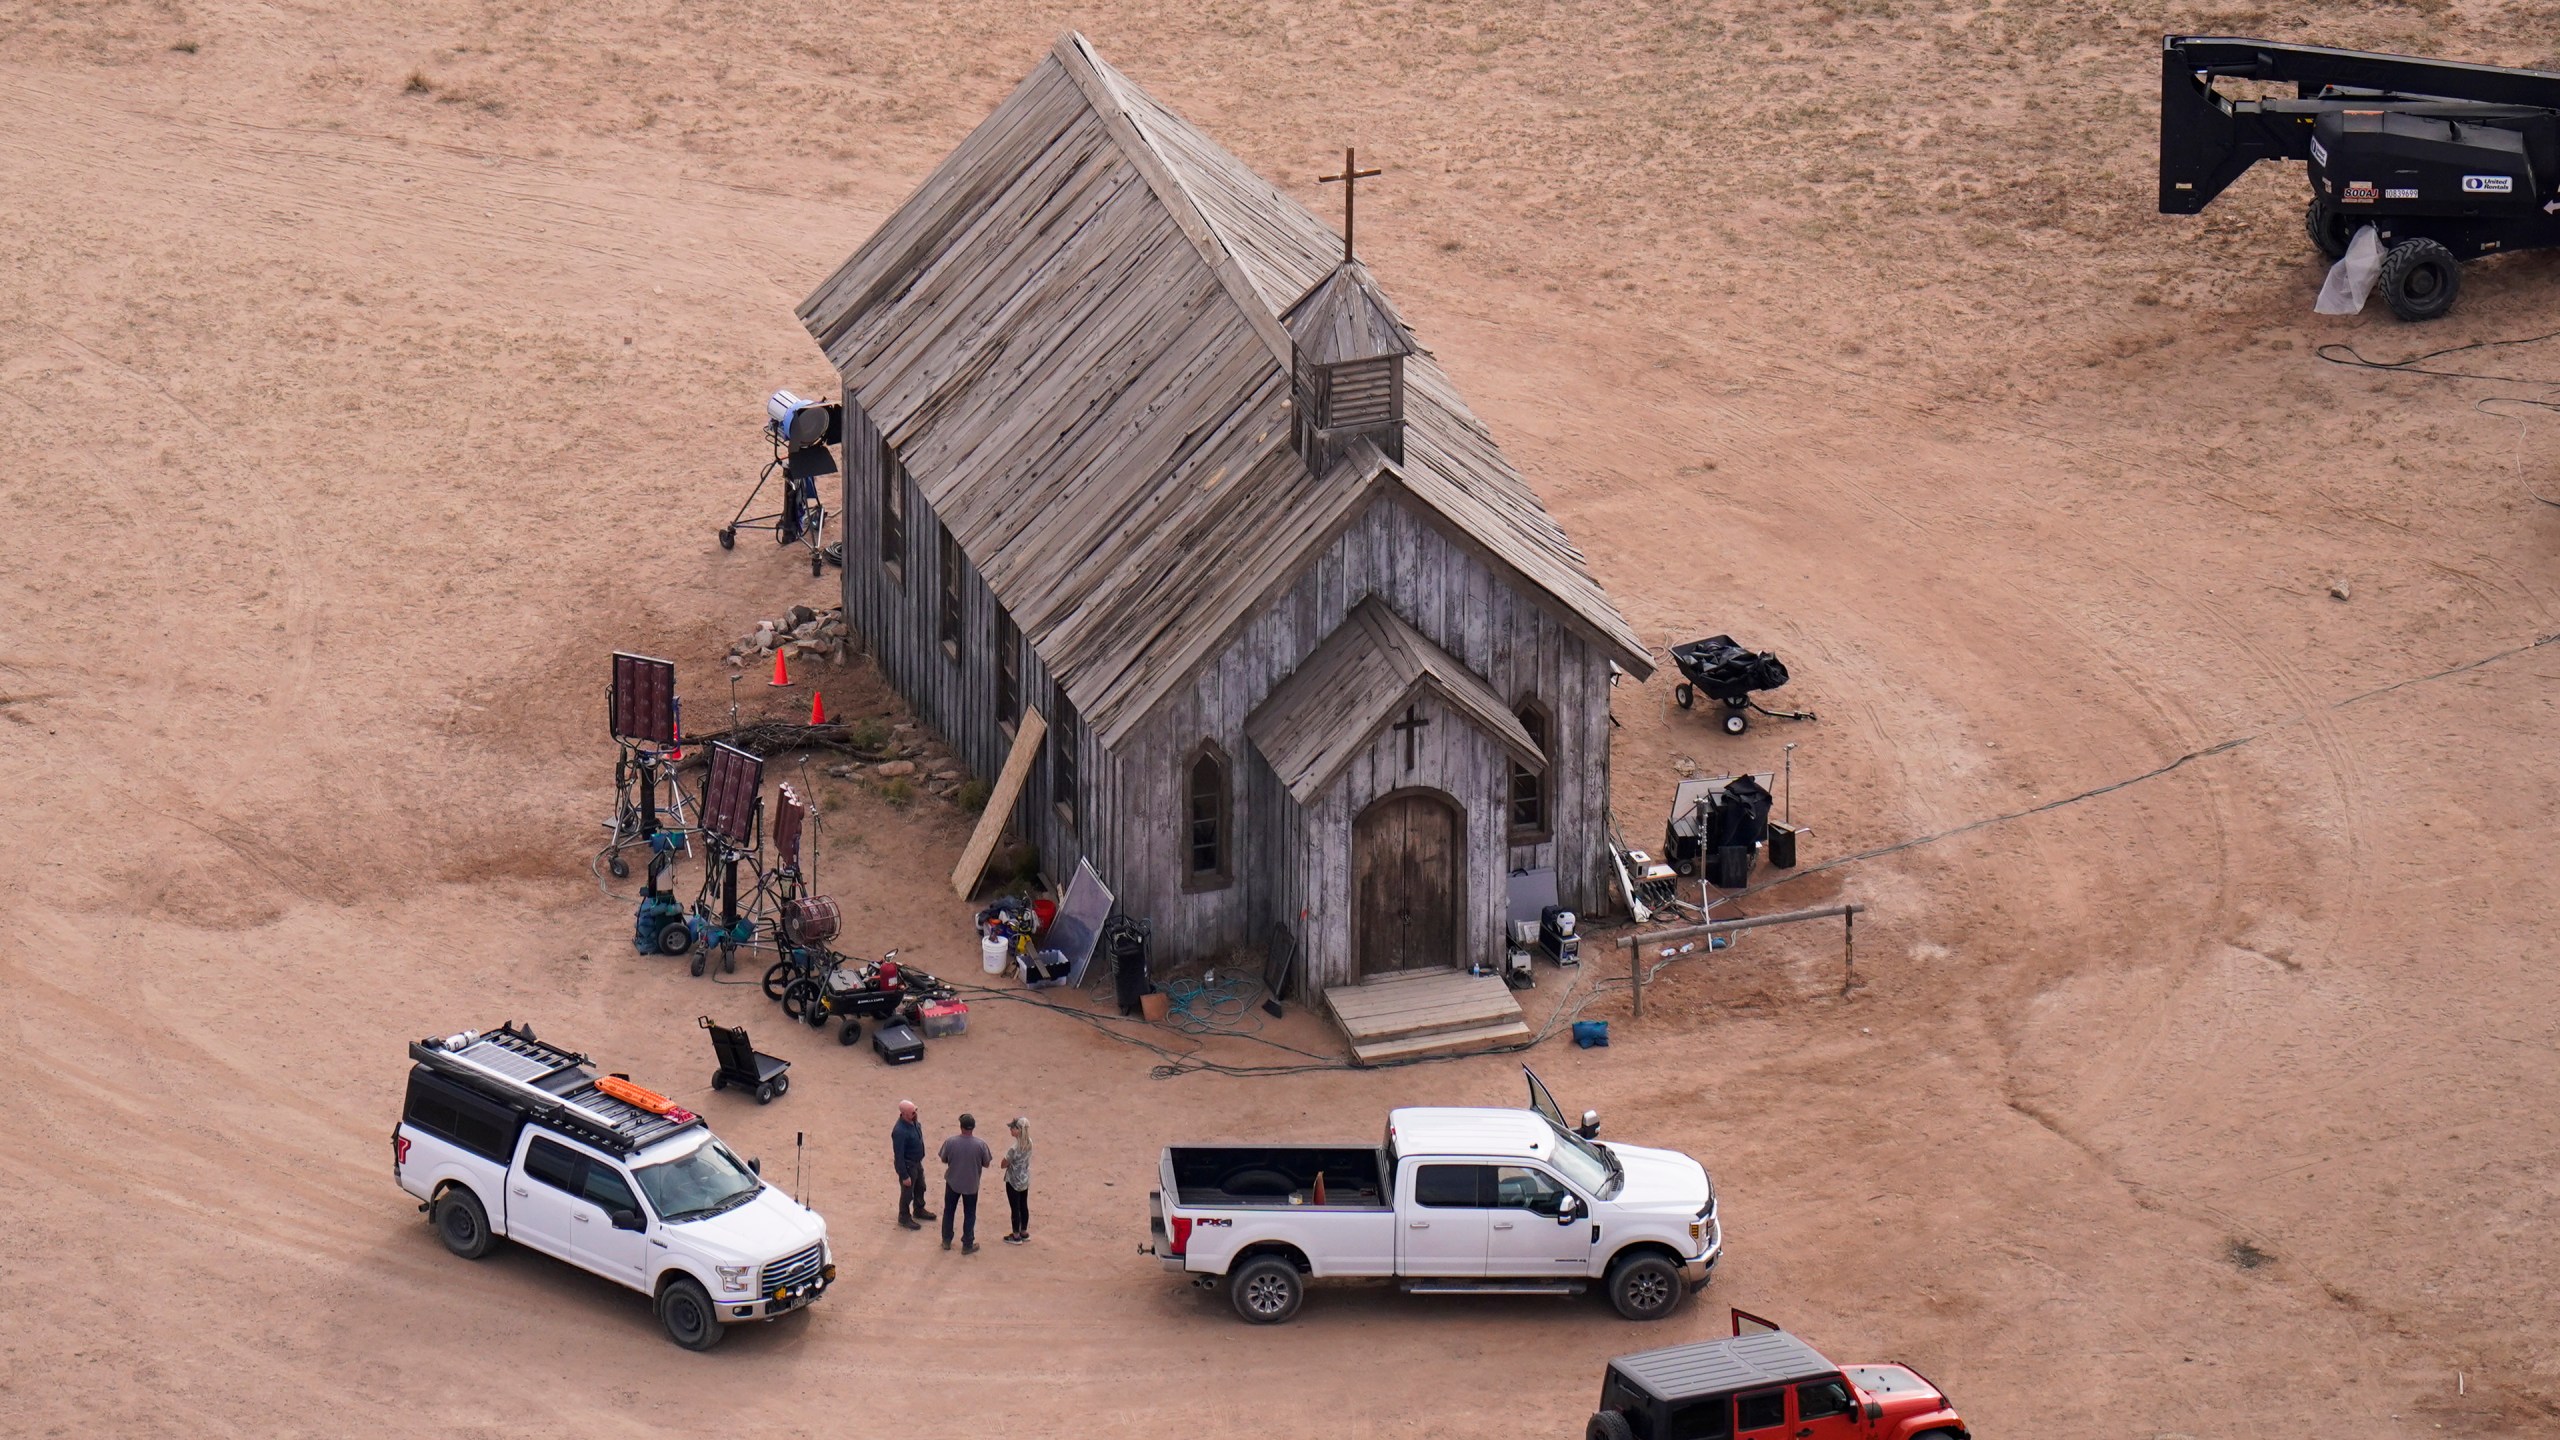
(368, 371)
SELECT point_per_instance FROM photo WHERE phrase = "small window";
(1529, 787)
(1450, 1187)
(1760, 1410)
(1008, 671)
(455, 1115)
(1518, 1187)
(1062, 757)
(553, 1165)
(605, 1187)
(893, 515)
(949, 626)
(1699, 1420)
(1821, 1398)
(1206, 815)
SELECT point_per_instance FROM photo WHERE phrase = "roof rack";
(553, 1086)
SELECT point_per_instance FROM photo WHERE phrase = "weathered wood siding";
(899, 624)
(1443, 590)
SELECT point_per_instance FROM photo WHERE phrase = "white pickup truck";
(1486, 1201)
(503, 1135)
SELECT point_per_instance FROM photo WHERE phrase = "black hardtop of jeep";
(1714, 1367)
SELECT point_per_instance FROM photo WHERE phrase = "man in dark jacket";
(906, 1151)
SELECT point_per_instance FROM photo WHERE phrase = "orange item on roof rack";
(634, 1095)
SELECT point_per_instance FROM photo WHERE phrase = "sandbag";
(2350, 281)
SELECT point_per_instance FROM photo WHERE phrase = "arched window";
(1208, 817)
(1529, 787)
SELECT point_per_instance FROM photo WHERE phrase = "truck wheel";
(2420, 279)
(1609, 1425)
(686, 1311)
(462, 1224)
(2328, 230)
(1266, 1290)
(1644, 1287)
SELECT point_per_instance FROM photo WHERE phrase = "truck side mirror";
(756, 1163)
(1568, 1209)
(1875, 1410)
(626, 1220)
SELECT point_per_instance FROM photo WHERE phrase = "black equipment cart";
(745, 1066)
(1719, 669)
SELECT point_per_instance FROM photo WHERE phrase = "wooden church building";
(1131, 442)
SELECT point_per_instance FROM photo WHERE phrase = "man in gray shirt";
(964, 1158)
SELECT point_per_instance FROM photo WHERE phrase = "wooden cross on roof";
(1350, 177)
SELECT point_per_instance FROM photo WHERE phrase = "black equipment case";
(897, 1044)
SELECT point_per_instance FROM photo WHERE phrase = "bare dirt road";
(368, 372)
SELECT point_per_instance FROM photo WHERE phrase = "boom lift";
(2447, 161)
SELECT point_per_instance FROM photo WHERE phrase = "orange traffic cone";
(781, 672)
(817, 707)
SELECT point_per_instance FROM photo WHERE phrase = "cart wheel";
(1735, 722)
(1684, 867)
(675, 939)
(781, 1084)
(815, 1012)
(719, 1079)
(2329, 231)
(851, 1032)
(728, 959)
(1686, 694)
(701, 960)
(620, 870)
(2419, 279)
(799, 996)
(764, 1094)
(777, 979)
(728, 538)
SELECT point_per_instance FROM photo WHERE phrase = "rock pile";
(799, 632)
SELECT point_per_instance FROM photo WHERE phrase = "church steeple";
(1347, 372)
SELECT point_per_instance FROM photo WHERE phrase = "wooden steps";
(1425, 1012)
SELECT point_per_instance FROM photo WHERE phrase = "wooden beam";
(1635, 944)
(1008, 788)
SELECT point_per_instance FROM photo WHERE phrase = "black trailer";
(2447, 161)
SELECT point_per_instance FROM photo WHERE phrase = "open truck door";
(1543, 1100)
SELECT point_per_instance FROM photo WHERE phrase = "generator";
(2446, 161)
(1555, 935)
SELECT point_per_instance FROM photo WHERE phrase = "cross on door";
(1410, 724)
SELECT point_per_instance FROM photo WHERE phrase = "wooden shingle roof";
(1070, 334)
(1341, 697)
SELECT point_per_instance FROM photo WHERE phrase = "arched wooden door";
(1406, 854)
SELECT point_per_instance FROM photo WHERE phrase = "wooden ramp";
(1425, 1012)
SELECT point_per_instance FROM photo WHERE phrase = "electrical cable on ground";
(2341, 353)
(2153, 773)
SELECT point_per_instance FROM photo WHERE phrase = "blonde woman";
(1017, 1180)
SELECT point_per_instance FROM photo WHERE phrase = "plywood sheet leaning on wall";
(1017, 768)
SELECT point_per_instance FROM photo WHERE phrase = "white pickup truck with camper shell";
(1483, 1201)
(503, 1136)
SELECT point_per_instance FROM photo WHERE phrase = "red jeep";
(1765, 1384)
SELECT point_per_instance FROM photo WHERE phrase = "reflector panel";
(644, 699)
(729, 794)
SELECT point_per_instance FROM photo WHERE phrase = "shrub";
(972, 795)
